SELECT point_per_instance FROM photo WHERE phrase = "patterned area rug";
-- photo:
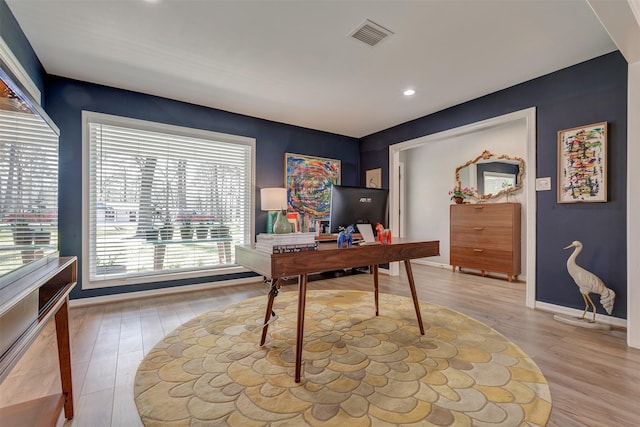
(358, 369)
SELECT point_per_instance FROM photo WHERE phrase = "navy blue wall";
(67, 98)
(591, 92)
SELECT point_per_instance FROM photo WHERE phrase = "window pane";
(28, 187)
(165, 202)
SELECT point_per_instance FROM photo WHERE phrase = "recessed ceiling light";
(409, 92)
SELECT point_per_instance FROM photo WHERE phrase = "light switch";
(543, 184)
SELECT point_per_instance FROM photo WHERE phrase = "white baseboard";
(431, 263)
(602, 318)
(84, 302)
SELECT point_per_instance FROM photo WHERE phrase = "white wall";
(429, 172)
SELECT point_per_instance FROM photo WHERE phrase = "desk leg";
(412, 286)
(64, 357)
(275, 284)
(374, 269)
(302, 296)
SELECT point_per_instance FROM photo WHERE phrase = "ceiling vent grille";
(370, 33)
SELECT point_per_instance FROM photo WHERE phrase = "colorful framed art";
(582, 164)
(308, 180)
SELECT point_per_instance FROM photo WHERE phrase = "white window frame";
(87, 117)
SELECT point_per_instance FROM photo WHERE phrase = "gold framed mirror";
(490, 175)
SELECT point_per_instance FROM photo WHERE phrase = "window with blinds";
(164, 202)
(28, 184)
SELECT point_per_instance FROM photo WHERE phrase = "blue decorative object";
(346, 235)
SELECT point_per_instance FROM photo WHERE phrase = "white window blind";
(28, 186)
(162, 202)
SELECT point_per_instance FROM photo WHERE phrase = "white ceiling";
(294, 62)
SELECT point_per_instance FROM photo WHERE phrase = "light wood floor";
(594, 377)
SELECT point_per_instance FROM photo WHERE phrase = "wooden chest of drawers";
(486, 237)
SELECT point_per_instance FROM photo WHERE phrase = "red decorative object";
(384, 237)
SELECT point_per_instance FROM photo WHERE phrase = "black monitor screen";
(357, 205)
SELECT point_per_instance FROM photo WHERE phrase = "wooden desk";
(327, 258)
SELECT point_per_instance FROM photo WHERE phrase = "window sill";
(164, 277)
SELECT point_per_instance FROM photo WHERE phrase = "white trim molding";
(633, 207)
(19, 72)
(576, 313)
(105, 299)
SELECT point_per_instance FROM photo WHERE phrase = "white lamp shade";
(273, 199)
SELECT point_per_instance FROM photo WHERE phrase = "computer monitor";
(357, 205)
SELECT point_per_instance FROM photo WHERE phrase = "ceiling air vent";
(370, 33)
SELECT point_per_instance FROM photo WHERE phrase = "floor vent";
(370, 33)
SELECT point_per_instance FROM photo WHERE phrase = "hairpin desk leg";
(273, 292)
(412, 286)
(302, 296)
(374, 269)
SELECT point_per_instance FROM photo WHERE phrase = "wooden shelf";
(42, 412)
(52, 283)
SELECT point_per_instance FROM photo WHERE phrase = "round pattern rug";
(358, 369)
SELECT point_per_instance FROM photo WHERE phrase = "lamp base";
(271, 219)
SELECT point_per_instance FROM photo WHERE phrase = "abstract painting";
(582, 164)
(309, 180)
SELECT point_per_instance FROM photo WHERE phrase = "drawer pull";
(477, 250)
(478, 207)
(478, 228)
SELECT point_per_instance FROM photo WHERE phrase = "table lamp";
(275, 200)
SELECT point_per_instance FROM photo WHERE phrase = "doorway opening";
(422, 171)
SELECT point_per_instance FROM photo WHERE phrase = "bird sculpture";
(589, 283)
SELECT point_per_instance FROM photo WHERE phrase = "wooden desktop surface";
(327, 258)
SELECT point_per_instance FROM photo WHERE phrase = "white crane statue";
(589, 283)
